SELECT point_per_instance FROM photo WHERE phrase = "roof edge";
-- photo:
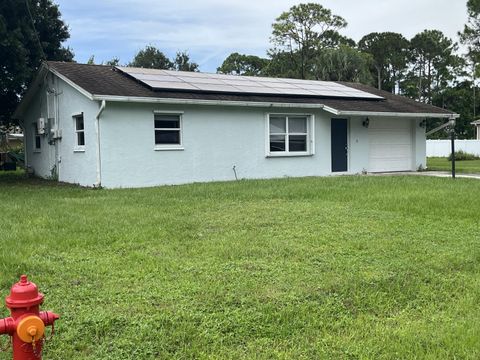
(71, 83)
(33, 88)
(390, 114)
(153, 100)
(267, 104)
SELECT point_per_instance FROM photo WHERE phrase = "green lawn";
(316, 268)
(442, 164)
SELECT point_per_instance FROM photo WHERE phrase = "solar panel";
(181, 80)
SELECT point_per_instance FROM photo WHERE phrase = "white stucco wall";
(40, 161)
(419, 145)
(215, 139)
(358, 146)
(59, 156)
(78, 167)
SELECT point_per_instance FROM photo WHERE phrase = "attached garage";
(391, 145)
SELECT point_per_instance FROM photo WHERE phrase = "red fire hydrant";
(27, 324)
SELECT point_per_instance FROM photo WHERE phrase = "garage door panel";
(390, 137)
(391, 146)
(389, 124)
(392, 165)
(380, 150)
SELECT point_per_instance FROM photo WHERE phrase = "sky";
(212, 29)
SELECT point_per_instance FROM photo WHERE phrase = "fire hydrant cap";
(24, 294)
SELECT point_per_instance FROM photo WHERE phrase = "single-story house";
(116, 127)
(476, 123)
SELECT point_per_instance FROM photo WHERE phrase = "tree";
(459, 99)
(343, 64)
(471, 32)
(389, 51)
(30, 31)
(152, 58)
(471, 37)
(182, 62)
(301, 31)
(115, 61)
(282, 64)
(333, 39)
(433, 65)
(239, 64)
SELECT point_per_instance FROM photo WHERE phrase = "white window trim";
(310, 136)
(168, 147)
(35, 135)
(78, 148)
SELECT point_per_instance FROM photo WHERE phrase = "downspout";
(97, 131)
(25, 151)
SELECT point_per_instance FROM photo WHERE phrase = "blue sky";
(212, 29)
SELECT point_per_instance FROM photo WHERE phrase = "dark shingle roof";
(108, 81)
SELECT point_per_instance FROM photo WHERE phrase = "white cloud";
(211, 29)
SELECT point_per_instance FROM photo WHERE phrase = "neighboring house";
(477, 127)
(11, 138)
(10, 141)
(128, 127)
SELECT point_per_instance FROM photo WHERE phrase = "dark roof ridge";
(53, 62)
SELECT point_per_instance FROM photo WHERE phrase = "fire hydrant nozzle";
(26, 325)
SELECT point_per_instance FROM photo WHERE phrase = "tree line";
(306, 43)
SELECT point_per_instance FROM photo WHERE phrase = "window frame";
(77, 147)
(310, 135)
(36, 136)
(167, 147)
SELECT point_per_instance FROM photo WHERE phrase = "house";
(128, 127)
(11, 138)
(476, 123)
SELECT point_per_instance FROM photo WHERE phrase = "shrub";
(462, 155)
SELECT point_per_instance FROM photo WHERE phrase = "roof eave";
(72, 84)
(390, 114)
(173, 101)
(329, 109)
(33, 88)
(39, 78)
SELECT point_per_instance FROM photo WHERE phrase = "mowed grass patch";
(344, 267)
(463, 166)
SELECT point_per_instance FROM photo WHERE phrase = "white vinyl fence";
(442, 148)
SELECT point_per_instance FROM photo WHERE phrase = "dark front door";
(339, 145)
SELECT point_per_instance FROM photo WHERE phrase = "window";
(79, 125)
(37, 139)
(168, 131)
(289, 135)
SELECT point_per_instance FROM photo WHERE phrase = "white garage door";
(391, 147)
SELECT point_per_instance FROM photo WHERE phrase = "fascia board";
(204, 102)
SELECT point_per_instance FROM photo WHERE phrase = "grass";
(464, 166)
(314, 268)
